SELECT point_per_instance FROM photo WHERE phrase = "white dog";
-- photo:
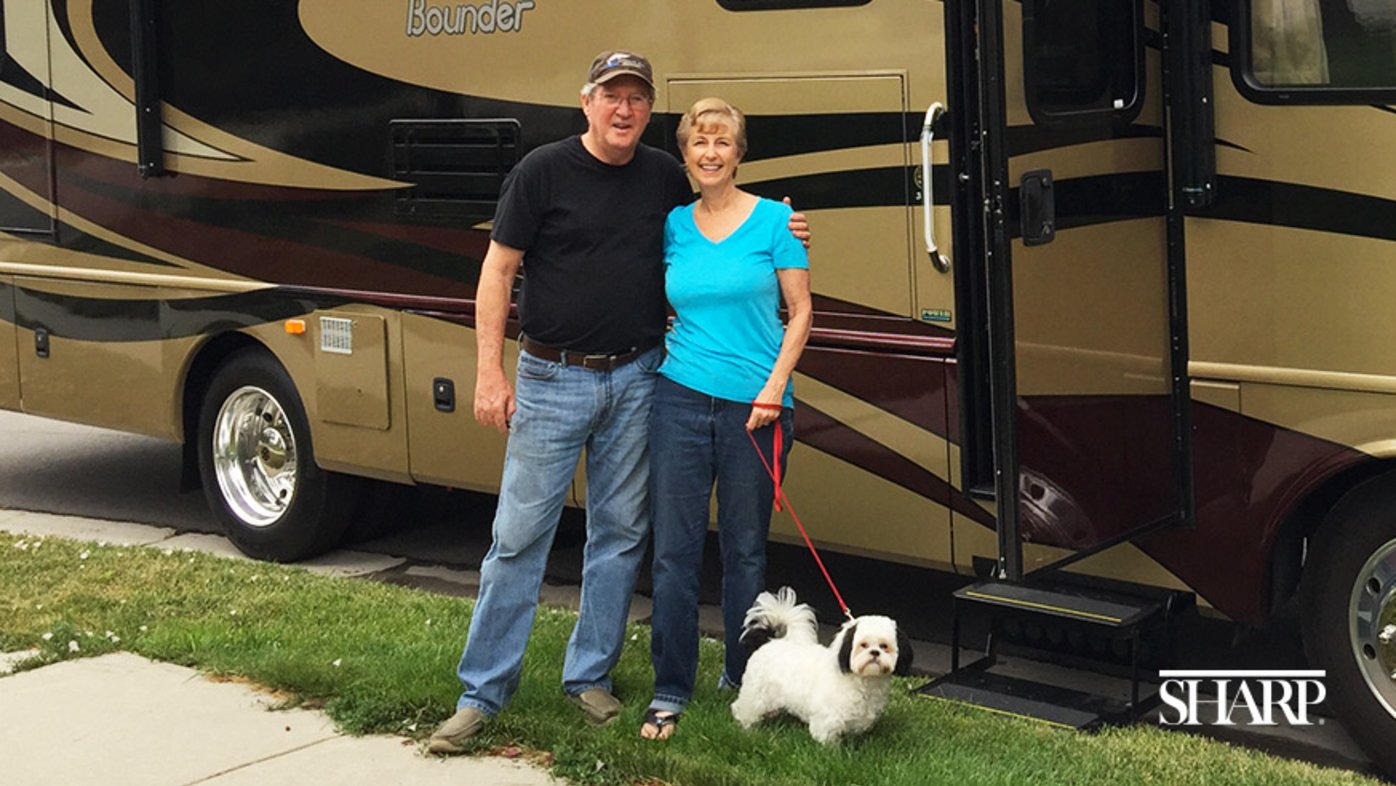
(840, 689)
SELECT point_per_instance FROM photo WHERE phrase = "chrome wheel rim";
(254, 456)
(1372, 624)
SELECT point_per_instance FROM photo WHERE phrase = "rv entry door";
(26, 191)
(1061, 143)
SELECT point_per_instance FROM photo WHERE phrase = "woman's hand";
(767, 407)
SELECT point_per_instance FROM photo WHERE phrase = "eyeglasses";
(635, 101)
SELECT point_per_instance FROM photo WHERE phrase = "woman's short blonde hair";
(709, 113)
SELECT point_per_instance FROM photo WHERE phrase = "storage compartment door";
(9, 362)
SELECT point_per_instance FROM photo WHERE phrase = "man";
(585, 217)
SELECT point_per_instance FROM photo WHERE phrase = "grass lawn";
(381, 658)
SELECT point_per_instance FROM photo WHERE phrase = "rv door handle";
(939, 261)
(1038, 210)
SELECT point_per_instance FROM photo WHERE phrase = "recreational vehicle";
(1103, 288)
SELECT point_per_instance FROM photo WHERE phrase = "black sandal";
(653, 718)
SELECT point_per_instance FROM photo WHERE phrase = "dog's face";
(872, 647)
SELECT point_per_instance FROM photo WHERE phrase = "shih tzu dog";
(837, 690)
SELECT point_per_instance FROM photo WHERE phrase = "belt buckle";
(603, 362)
(596, 362)
(584, 361)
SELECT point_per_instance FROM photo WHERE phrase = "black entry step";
(1004, 695)
(1131, 615)
(1085, 605)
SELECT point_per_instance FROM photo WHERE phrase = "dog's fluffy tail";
(778, 616)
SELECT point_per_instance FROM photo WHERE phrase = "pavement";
(120, 719)
(150, 723)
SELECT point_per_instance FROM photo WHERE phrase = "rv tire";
(1347, 598)
(258, 466)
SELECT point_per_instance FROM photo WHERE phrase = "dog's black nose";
(875, 653)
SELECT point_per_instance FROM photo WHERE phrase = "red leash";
(773, 469)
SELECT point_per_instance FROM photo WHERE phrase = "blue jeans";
(696, 441)
(562, 410)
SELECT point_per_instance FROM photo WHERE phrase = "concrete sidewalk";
(122, 720)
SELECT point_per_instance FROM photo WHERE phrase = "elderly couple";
(604, 227)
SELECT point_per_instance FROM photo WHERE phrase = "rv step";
(1089, 606)
(1118, 612)
(1050, 704)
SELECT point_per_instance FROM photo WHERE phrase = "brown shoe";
(599, 705)
(450, 738)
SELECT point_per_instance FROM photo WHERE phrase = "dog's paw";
(825, 734)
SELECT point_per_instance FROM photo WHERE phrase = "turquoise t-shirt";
(726, 299)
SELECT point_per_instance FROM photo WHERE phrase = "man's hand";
(799, 225)
(494, 400)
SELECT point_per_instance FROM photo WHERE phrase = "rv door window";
(1082, 58)
(1319, 48)
(776, 5)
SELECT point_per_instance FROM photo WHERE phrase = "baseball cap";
(609, 65)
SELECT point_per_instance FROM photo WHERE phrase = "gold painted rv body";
(1271, 308)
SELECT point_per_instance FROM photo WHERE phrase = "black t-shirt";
(593, 241)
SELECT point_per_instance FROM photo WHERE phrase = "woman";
(729, 259)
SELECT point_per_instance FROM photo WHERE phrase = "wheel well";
(1290, 546)
(196, 380)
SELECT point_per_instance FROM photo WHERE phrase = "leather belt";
(569, 357)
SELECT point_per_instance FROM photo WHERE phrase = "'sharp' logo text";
(1242, 697)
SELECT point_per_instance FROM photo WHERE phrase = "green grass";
(381, 658)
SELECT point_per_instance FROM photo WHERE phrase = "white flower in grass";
(232, 612)
(144, 628)
(168, 552)
(1387, 634)
(428, 622)
(22, 545)
(47, 636)
(337, 661)
(83, 555)
(115, 639)
(73, 646)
